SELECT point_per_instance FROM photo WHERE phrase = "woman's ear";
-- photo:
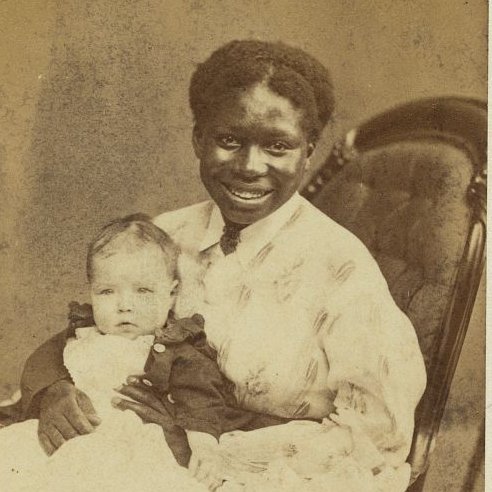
(197, 141)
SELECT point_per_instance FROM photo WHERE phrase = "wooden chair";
(411, 184)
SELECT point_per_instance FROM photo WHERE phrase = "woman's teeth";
(248, 195)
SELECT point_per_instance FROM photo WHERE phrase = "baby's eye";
(228, 142)
(105, 292)
(144, 290)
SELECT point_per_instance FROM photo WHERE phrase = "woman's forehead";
(257, 107)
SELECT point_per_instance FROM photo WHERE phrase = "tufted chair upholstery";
(405, 201)
(410, 184)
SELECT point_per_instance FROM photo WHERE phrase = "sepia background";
(94, 124)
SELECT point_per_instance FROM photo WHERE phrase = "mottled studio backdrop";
(94, 123)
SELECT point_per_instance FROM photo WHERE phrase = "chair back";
(411, 184)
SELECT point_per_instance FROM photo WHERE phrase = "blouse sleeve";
(376, 369)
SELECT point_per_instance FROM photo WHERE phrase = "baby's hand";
(206, 464)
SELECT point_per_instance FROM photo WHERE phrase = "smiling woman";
(258, 114)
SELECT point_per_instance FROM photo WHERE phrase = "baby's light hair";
(143, 231)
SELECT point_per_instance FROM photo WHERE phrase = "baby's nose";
(125, 304)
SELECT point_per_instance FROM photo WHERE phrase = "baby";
(132, 271)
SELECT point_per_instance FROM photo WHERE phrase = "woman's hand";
(65, 412)
(145, 403)
(206, 464)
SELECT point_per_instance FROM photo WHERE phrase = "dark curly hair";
(141, 229)
(290, 72)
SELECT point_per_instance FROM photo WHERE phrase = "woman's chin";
(246, 212)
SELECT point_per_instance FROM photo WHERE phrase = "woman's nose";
(254, 161)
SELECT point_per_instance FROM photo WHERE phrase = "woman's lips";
(246, 193)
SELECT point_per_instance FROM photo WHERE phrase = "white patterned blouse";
(304, 325)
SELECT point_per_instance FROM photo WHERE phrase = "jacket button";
(170, 398)
(159, 348)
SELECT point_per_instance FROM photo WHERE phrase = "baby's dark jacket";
(182, 371)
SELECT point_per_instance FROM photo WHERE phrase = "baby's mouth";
(126, 323)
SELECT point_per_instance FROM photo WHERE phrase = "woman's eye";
(228, 142)
(144, 290)
(278, 148)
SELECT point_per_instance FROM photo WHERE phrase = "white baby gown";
(123, 454)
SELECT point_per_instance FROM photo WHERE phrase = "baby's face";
(131, 291)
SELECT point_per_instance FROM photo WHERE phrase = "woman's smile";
(246, 192)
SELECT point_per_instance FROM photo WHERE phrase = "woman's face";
(253, 153)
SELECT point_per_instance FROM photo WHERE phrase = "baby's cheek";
(104, 328)
(102, 318)
(99, 317)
